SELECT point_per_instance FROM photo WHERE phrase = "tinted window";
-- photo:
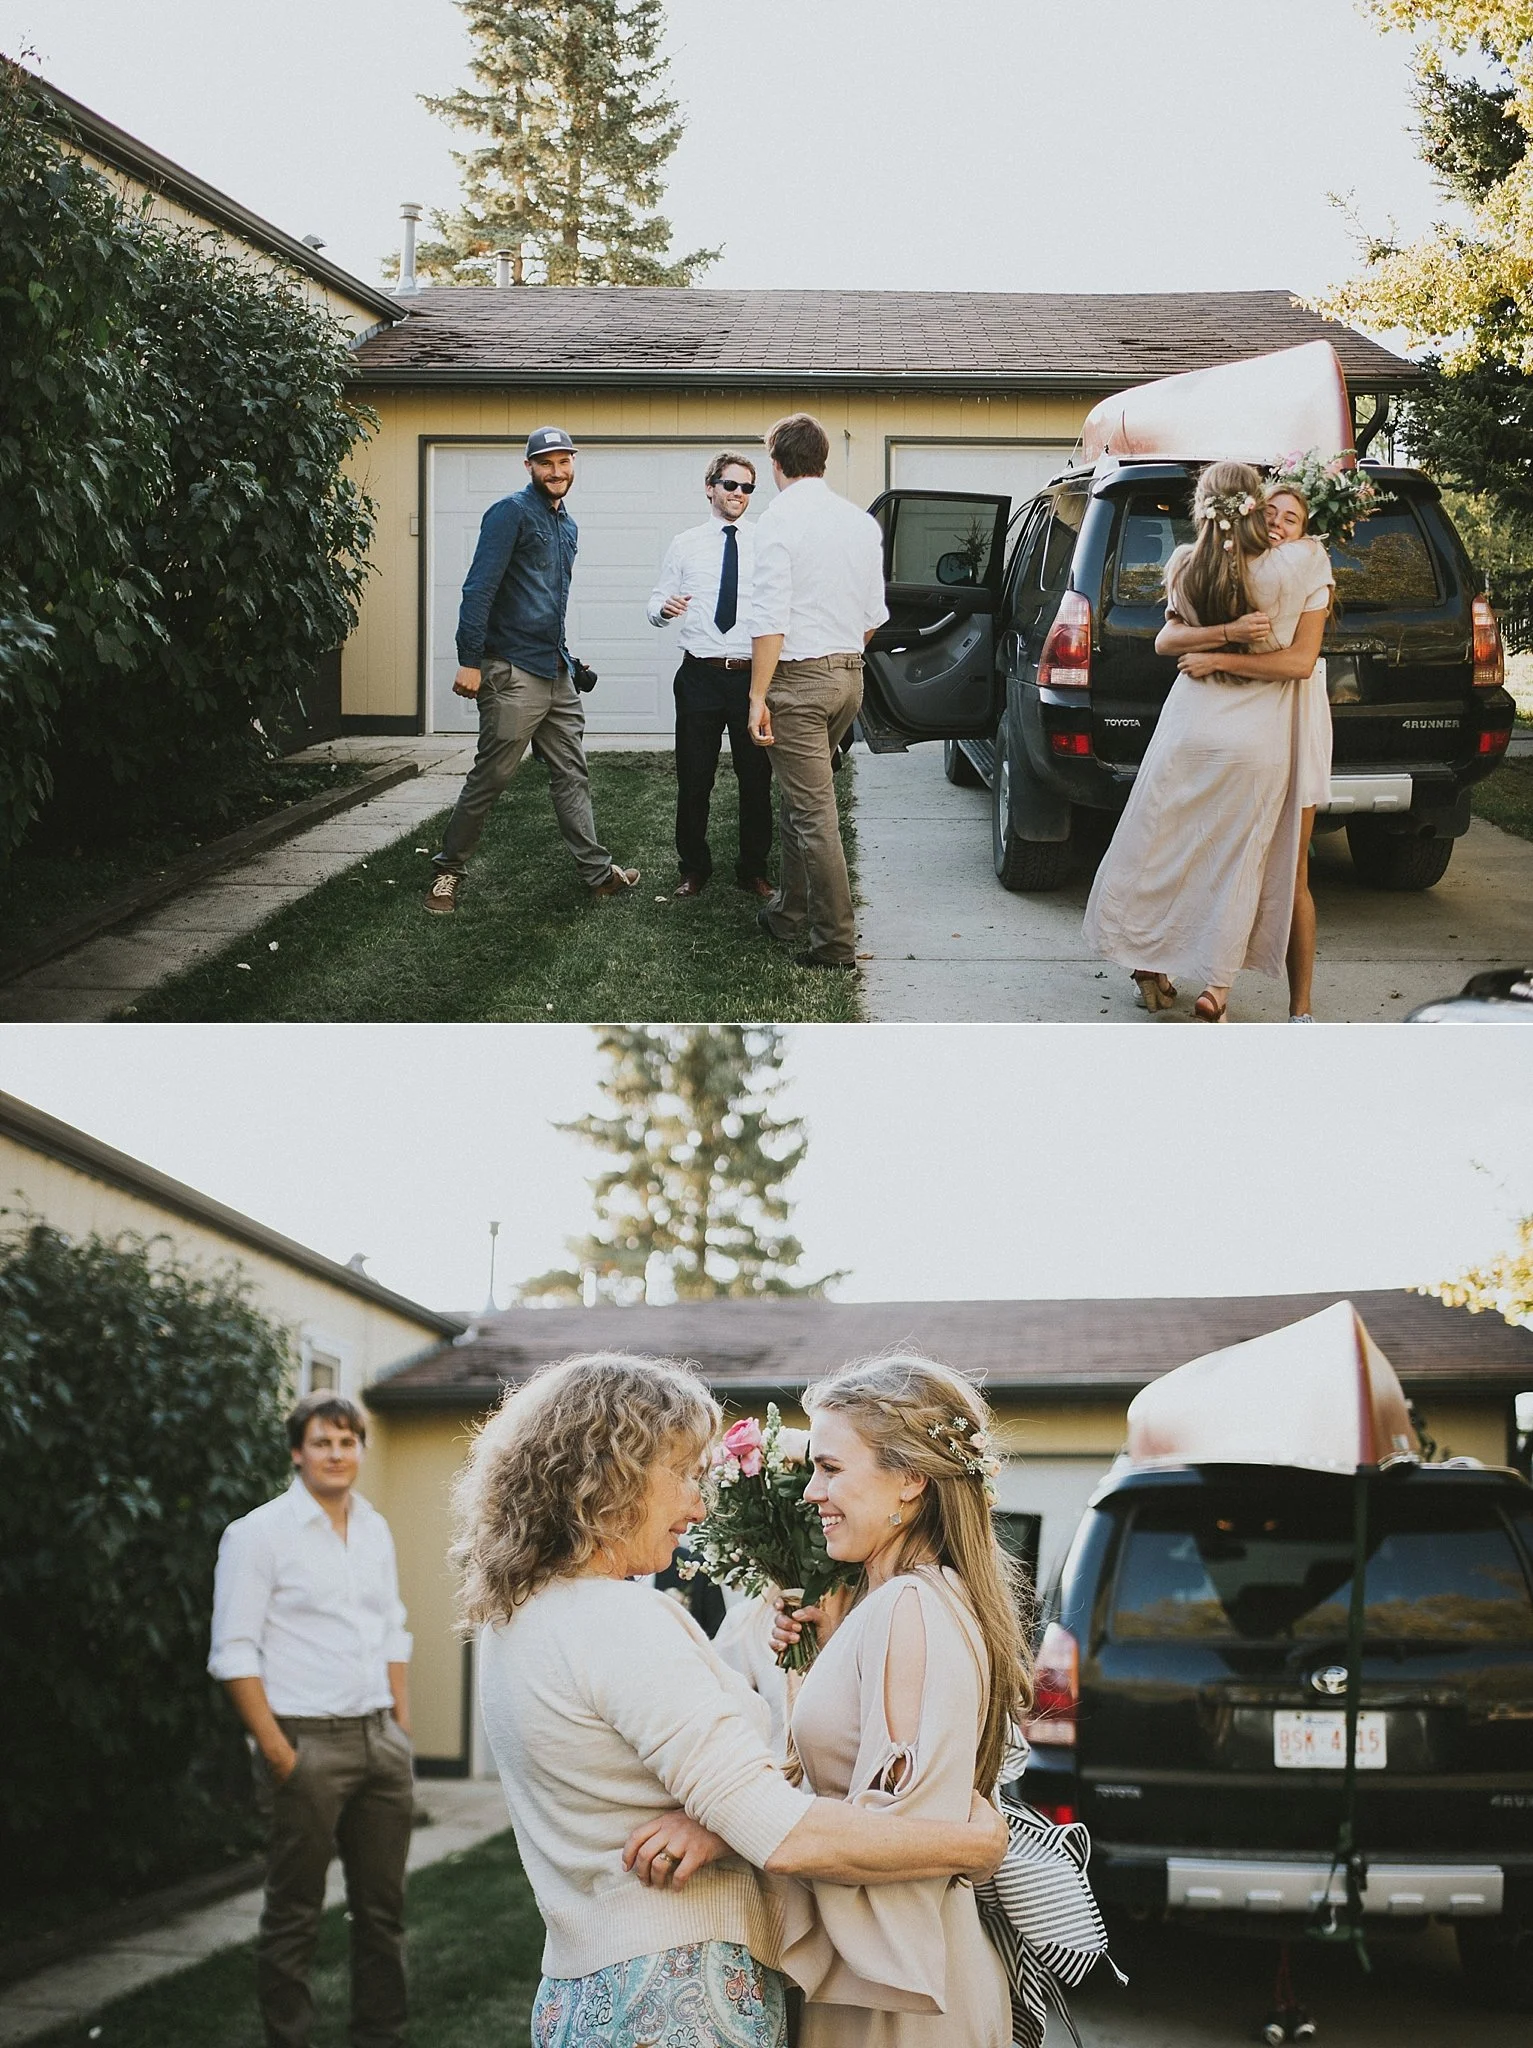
(1059, 549)
(1222, 1568)
(1027, 571)
(1386, 564)
(938, 541)
(1153, 527)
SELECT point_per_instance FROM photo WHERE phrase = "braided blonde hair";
(1209, 578)
(562, 1468)
(924, 1418)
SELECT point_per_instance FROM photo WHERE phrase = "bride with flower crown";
(1200, 878)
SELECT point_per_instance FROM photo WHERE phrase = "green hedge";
(179, 543)
(140, 1412)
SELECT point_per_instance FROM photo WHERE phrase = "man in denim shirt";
(513, 660)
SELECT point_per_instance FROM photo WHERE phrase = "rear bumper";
(1214, 1884)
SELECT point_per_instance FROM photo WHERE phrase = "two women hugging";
(685, 1877)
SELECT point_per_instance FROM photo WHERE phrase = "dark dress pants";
(709, 703)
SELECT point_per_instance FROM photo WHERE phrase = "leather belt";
(721, 660)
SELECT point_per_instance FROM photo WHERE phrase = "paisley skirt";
(709, 1994)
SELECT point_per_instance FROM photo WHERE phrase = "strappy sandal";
(1156, 991)
(1209, 1008)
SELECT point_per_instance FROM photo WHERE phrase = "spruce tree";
(700, 1160)
(569, 96)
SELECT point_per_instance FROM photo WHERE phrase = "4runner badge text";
(1430, 724)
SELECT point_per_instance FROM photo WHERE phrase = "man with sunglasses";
(705, 581)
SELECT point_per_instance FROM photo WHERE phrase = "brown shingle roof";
(1061, 1348)
(996, 340)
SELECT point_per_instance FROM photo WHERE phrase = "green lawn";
(39, 886)
(474, 1943)
(1506, 798)
(529, 943)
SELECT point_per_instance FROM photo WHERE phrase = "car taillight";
(1060, 1811)
(1065, 663)
(1070, 742)
(1495, 742)
(1489, 656)
(1056, 1688)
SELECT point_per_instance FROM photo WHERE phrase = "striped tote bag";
(1039, 1912)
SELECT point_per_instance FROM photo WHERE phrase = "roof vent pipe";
(502, 270)
(409, 213)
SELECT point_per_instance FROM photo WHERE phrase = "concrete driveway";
(942, 941)
(1188, 1989)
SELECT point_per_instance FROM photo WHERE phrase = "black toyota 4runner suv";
(1027, 645)
(1190, 1700)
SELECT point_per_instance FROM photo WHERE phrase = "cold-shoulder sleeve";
(885, 1946)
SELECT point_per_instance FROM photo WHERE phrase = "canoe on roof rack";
(1258, 410)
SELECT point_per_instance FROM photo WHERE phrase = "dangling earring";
(896, 1519)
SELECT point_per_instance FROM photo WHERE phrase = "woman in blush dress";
(909, 1703)
(1200, 877)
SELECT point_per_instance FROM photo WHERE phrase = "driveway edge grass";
(529, 943)
(474, 1941)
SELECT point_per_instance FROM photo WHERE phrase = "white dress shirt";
(316, 1617)
(819, 577)
(693, 567)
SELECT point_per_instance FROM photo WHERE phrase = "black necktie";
(725, 610)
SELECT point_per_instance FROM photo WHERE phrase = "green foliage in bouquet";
(1338, 497)
(761, 1534)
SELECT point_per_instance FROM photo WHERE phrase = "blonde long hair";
(1211, 575)
(895, 1403)
(562, 1469)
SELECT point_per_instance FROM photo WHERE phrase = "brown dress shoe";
(618, 883)
(758, 885)
(690, 885)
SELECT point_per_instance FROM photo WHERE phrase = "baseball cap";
(546, 440)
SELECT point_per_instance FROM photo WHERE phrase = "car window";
(1222, 1569)
(1059, 549)
(939, 541)
(1027, 570)
(1387, 565)
(1153, 525)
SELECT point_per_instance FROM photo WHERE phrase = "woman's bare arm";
(1176, 637)
(847, 1844)
(1288, 665)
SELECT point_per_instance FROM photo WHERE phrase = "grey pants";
(352, 1789)
(518, 710)
(812, 704)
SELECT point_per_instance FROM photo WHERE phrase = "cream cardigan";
(605, 1704)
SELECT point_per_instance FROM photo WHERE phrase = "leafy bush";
(140, 1411)
(181, 542)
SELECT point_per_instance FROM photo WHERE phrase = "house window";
(1522, 1434)
(323, 1363)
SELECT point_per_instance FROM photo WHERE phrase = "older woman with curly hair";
(636, 1763)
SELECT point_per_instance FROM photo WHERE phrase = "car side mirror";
(954, 568)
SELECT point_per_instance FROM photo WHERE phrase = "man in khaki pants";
(818, 599)
(309, 1640)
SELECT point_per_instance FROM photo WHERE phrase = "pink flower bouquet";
(761, 1536)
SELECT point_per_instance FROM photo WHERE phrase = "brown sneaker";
(618, 883)
(441, 899)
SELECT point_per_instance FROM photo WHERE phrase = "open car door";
(930, 672)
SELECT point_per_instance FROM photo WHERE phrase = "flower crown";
(970, 1447)
(1224, 508)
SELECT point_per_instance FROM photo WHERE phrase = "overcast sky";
(945, 1162)
(1003, 145)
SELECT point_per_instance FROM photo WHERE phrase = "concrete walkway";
(941, 940)
(463, 1812)
(110, 973)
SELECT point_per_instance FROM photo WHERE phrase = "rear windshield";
(1224, 1567)
(1386, 566)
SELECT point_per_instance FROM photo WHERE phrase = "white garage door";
(1018, 468)
(628, 503)
(1057, 1489)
